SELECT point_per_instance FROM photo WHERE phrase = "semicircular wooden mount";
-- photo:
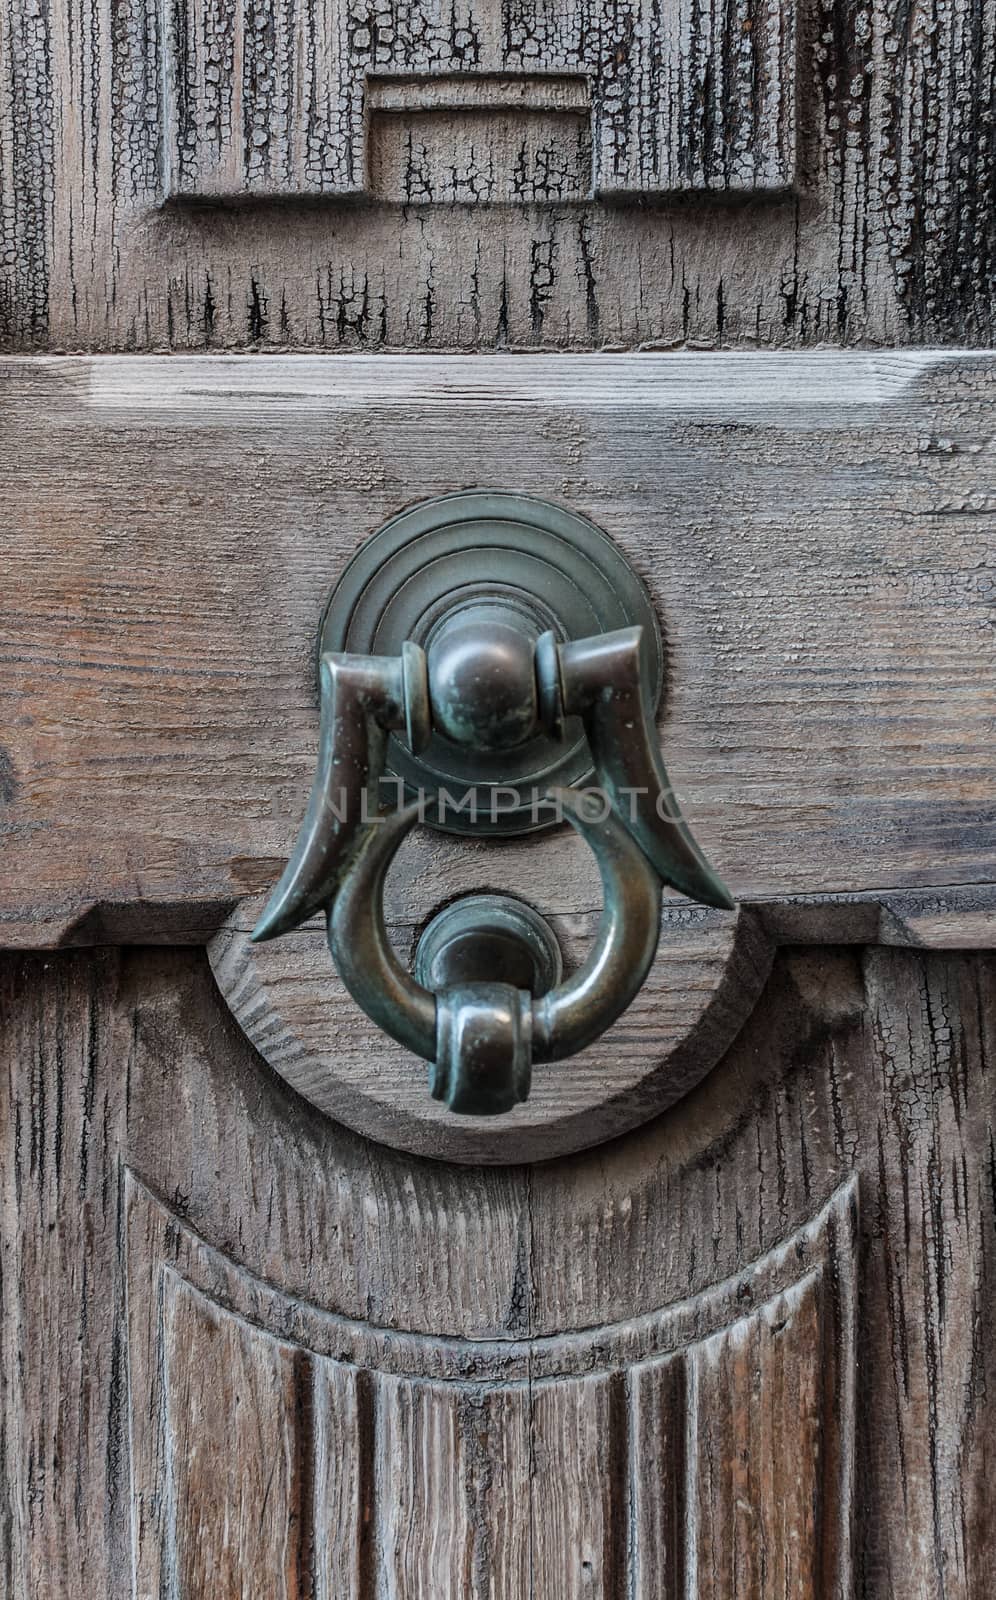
(298, 1013)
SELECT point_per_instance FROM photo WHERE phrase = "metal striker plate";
(551, 567)
(489, 938)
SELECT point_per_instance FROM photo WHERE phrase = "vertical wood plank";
(927, 1328)
(27, 171)
(64, 1403)
(580, 1487)
(658, 1472)
(755, 1420)
(701, 97)
(452, 1489)
(238, 1456)
(340, 1509)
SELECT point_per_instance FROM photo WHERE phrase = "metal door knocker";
(497, 660)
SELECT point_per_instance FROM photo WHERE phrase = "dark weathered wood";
(654, 1346)
(278, 102)
(455, 1431)
(64, 1402)
(228, 1476)
(878, 116)
(749, 1351)
(813, 528)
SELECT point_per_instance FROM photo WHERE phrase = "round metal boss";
(494, 937)
(548, 566)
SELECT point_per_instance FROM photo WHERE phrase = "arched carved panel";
(281, 1449)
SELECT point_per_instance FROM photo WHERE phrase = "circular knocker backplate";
(554, 566)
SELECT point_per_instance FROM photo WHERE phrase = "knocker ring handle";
(488, 687)
(483, 1037)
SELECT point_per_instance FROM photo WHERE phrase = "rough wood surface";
(879, 114)
(225, 1320)
(278, 101)
(815, 531)
(479, 140)
(749, 1351)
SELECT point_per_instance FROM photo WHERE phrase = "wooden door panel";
(859, 142)
(575, 1465)
(242, 1342)
(719, 278)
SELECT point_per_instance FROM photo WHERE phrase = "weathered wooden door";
(713, 1312)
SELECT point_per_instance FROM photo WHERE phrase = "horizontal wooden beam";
(815, 531)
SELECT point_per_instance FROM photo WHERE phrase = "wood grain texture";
(680, 1317)
(749, 1350)
(228, 1471)
(514, 1469)
(748, 1399)
(815, 531)
(276, 101)
(883, 127)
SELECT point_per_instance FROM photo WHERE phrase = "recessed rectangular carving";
(482, 139)
(277, 100)
(482, 159)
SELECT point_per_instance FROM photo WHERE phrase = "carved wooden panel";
(367, 228)
(279, 100)
(474, 140)
(750, 1349)
(640, 1458)
(680, 1298)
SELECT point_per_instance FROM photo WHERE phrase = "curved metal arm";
(601, 682)
(362, 951)
(580, 1009)
(364, 699)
